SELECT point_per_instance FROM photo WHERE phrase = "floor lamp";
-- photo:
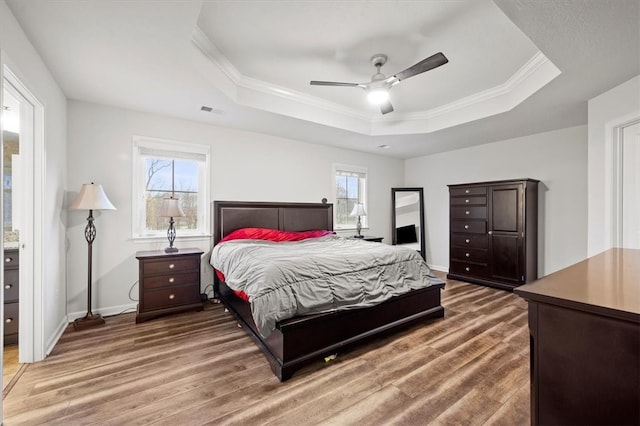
(91, 197)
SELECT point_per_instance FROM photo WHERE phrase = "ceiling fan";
(378, 88)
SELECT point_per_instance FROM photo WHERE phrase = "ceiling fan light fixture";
(378, 96)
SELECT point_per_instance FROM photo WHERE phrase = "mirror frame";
(420, 192)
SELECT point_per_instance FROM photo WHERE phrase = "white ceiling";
(515, 67)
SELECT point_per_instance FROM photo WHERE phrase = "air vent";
(211, 110)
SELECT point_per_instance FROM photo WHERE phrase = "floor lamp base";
(88, 321)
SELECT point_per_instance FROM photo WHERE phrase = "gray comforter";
(288, 279)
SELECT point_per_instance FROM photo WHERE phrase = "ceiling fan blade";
(427, 64)
(332, 83)
(386, 107)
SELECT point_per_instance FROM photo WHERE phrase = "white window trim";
(355, 169)
(137, 217)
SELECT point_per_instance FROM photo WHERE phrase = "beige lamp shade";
(91, 197)
(171, 208)
(358, 210)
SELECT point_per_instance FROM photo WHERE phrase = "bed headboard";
(231, 215)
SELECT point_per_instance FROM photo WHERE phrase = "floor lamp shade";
(91, 197)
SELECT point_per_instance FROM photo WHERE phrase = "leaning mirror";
(407, 218)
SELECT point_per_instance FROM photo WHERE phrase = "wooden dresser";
(493, 232)
(584, 322)
(168, 282)
(11, 294)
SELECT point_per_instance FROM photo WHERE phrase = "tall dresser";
(11, 292)
(493, 232)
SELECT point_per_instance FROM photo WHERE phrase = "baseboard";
(439, 268)
(105, 312)
(57, 334)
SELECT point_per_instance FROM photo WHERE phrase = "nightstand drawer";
(172, 280)
(11, 285)
(10, 318)
(170, 297)
(164, 266)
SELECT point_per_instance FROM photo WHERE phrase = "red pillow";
(274, 234)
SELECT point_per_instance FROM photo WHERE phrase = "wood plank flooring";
(469, 368)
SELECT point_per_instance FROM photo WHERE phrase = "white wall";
(23, 60)
(618, 104)
(245, 166)
(558, 159)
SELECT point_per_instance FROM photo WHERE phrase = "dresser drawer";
(172, 280)
(469, 201)
(477, 241)
(11, 259)
(170, 297)
(468, 268)
(164, 266)
(469, 255)
(472, 226)
(476, 212)
(10, 318)
(473, 190)
(11, 285)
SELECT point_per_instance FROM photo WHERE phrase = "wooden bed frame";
(300, 340)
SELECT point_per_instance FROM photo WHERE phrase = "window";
(164, 169)
(350, 188)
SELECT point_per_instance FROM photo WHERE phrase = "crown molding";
(531, 77)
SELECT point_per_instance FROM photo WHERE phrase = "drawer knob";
(171, 280)
(490, 232)
(466, 201)
(171, 266)
(466, 191)
(8, 320)
(466, 227)
(7, 260)
(467, 241)
(172, 296)
(467, 269)
(466, 254)
(467, 212)
(8, 286)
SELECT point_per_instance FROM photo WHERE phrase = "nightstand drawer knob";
(467, 269)
(466, 254)
(8, 259)
(172, 296)
(466, 227)
(466, 191)
(8, 320)
(8, 286)
(467, 241)
(467, 212)
(466, 201)
(171, 280)
(171, 266)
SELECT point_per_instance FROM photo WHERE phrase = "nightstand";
(369, 238)
(168, 282)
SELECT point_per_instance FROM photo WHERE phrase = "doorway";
(630, 145)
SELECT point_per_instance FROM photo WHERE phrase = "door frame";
(613, 177)
(31, 345)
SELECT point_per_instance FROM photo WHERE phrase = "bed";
(297, 341)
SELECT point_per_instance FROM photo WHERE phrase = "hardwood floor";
(471, 367)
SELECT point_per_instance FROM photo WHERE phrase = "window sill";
(156, 238)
